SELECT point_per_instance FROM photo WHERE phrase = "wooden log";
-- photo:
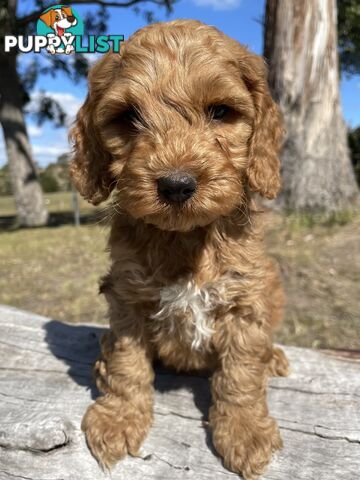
(46, 384)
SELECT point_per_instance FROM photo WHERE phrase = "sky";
(239, 19)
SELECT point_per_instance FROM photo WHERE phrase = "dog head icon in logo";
(60, 29)
(60, 21)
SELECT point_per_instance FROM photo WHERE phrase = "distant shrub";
(55, 178)
(354, 144)
(49, 182)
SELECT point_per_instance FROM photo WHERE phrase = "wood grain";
(45, 386)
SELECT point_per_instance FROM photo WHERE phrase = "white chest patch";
(189, 310)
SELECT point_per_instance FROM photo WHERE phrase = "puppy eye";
(218, 112)
(131, 115)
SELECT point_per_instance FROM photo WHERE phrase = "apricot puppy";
(182, 128)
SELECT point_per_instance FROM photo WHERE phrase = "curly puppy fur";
(189, 282)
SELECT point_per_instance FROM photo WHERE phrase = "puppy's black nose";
(177, 187)
(71, 18)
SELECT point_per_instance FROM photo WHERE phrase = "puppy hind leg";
(279, 364)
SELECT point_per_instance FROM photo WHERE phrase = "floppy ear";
(90, 165)
(47, 18)
(263, 170)
(68, 11)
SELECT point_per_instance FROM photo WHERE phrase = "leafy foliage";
(55, 177)
(48, 182)
(349, 35)
(354, 144)
(49, 109)
(75, 66)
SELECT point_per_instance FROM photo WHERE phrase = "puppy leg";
(118, 422)
(243, 432)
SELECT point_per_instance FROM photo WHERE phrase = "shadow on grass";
(56, 219)
(78, 347)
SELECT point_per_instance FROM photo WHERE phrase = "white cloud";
(93, 57)
(43, 154)
(55, 151)
(69, 103)
(34, 131)
(219, 4)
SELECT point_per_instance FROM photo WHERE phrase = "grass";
(300, 221)
(320, 269)
(54, 272)
(55, 202)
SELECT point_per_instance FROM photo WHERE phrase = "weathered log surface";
(45, 386)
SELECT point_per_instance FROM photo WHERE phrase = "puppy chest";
(188, 312)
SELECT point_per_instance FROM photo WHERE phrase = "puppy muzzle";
(176, 187)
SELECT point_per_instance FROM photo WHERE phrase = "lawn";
(55, 271)
(55, 202)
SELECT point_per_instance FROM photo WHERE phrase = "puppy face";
(59, 18)
(181, 125)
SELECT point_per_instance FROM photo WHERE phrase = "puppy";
(182, 128)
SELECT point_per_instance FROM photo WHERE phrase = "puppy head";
(62, 16)
(182, 125)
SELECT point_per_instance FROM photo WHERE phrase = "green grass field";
(54, 271)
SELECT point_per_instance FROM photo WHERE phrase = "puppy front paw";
(51, 49)
(114, 428)
(69, 49)
(244, 440)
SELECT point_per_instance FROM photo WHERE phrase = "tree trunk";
(26, 188)
(301, 50)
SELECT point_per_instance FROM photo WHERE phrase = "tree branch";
(31, 17)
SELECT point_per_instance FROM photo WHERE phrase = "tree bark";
(301, 50)
(26, 188)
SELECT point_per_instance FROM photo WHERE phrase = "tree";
(300, 46)
(29, 202)
(17, 82)
(5, 187)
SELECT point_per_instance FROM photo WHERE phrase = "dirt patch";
(321, 274)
